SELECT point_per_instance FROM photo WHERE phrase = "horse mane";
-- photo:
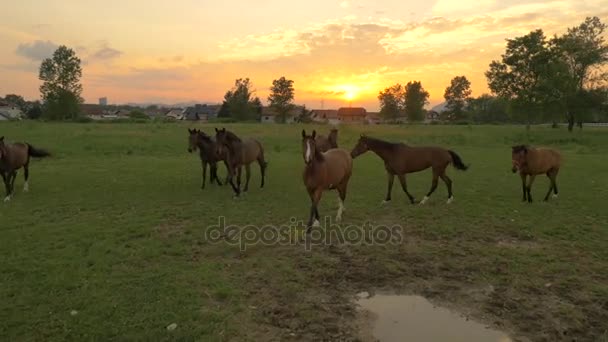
(520, 148)
(205, 137)
(387, 145)
(232, 137)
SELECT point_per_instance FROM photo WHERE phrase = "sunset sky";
(339, 52)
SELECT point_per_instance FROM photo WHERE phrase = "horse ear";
(303, 133)
(314, 133)
(217, 130)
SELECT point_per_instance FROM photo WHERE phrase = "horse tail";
(37, 152)
(261, 159)
(457, 162)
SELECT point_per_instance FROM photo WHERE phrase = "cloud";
(37, 50)
(107, 53)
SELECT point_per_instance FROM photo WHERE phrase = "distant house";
(201, 112)
(154, 112)
(4, 117)
(10, 112)
(122, 113)
(352, 115)
(373, 118)
(175, 114)
(269, 115)
(432, 116)
(325, 116)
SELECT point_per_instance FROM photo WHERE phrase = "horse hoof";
(26, 187)
(424, 200)
(316, 224)
(7, 198)
(338, 219)
(450, 200)
(385, 202)
(554, 196)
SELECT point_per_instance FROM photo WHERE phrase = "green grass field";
(110, 243)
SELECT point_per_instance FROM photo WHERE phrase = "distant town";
(208, 112)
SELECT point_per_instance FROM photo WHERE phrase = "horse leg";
(205, 174)
(217, 178)
(404, 187)
(263, 165)
(247, 177)
(5, 178)
(554, 180)
(10, 185)
(213, 172)
(550, 187)
(433, 187)
(391, 178)
(448, 184)
(551, 175)
(238, 176)
(26, 175)
(313, 219)
(529, 188)
(524, 187)
(230, 180)
(342, 197)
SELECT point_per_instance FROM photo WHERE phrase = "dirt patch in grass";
(316, 300)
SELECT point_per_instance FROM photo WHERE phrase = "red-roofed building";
(352, 115)
(325, 116)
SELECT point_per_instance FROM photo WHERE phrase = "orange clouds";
(350, 58)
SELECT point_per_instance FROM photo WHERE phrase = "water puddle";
(413, 318)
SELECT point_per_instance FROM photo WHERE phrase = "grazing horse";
(240, 153)
(324, 171)
(531, 161)
(12, 158)
(207, 152)
(401, 159)
(329, 142)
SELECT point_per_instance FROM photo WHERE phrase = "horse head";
(192, 140)
(361, 147)
(518, 157)
(309, 147)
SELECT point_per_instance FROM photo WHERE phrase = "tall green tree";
(488, 109)
(240, 102)
(519, 75)
(415, 100)
(456, 95)
(61, 88)
(392, 102)
(281, 98)
(34, 110)
(583, 52)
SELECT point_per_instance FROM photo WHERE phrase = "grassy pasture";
(110, 242)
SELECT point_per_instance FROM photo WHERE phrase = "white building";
(9, 112)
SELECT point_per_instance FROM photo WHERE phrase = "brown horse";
(324, 171)
(12, 158)
(240, 153)
(400, 159)
(329, 142)
(205, 144)
(532, 161)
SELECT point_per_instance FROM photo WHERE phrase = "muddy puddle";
(389, 317)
